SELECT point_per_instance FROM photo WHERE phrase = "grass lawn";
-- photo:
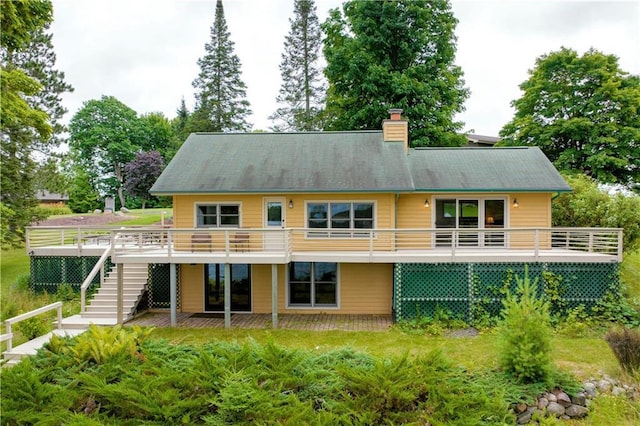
(585, 357)
(630, 273)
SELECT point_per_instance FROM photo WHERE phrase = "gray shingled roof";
(286, 162)
(484, 170)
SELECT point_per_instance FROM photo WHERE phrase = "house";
(51, 199)
(475, 140)
(347, 223)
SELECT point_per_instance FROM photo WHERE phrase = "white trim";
(313, 307)
(283, 201)
(216, 203)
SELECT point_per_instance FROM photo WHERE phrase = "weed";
(625, 345)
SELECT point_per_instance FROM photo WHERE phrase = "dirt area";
(85, 220)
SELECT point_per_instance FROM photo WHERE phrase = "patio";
(315, 322)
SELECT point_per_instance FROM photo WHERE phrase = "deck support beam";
(227, 295)
(119, 292)
(274, 295)
(173, 293)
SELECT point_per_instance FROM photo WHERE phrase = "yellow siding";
(364, 289)
(534, 210)
(412, 213)
(251, 207)
(192, 288)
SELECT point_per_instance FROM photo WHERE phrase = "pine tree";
(221, 103)
(394, 54)
(302, 88)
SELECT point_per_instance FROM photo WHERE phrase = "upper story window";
(340, 215)
(218, 215)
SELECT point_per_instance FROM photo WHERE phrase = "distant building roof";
(46, 196)
(484, 170)
(474, 140)
(358, 161)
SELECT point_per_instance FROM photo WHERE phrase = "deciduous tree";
(583, 112)
(105, 135)
(395, 54)
(141, 174)
(302, 90)
(221, 99)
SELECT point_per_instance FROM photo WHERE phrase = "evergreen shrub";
(524, 334)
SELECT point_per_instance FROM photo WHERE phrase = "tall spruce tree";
(221, 103)
(31, 108)
(302, 89)
(395, 54)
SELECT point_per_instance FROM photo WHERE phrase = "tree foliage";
(27, 112)
(105, 135)
(591, 206)
(141, 174)
(583, 112)
(83, 195)
(394, 54)
(221, 99)
(302, 89)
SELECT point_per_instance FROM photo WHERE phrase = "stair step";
(98, 316)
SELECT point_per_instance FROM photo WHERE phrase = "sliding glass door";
(474, 220)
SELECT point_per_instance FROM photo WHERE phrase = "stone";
(555, 409)
(521, 407)
(524, 418)
(604, 385)
(576, 411)
(97, 211)
(551, 397)
(542, 402)
(124, 210)
(563, 399)
(617, 391)
(580, 398)
(590, 389)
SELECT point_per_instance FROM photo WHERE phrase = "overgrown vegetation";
(625, 344)
(121, 377)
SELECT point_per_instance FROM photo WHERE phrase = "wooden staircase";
(103, 307)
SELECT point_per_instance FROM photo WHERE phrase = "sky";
(145, 52)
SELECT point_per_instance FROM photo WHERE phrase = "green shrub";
(625, 344)
(34, 327)
(65, 292)
(524, 335)
(46, 211)
(442, 320)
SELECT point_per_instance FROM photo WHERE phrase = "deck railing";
(290, 240)
(8, 336)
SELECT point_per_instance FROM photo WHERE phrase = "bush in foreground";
(625, 345)
(525, 334)
(154, 382)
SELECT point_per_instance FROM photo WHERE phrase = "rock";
(580, 398)
(542, 402)
(563, 399)
(590, 389)
(555, 409)
(118, 214)
(521, 407)
(604, 385)
(617, 391)
(124, 210)
(576, 411)
(97, 211)
(551, 397)
(524, 418)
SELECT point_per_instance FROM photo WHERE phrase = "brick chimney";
(396, 128)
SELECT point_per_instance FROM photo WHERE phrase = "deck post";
(227, 293)
(173, 293)
(119, 292)
(274, 295)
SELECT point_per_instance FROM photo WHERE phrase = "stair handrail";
(87, 282)
(9, 322)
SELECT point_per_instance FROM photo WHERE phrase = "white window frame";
(313, 305)
(330, 232)
(218, 214)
